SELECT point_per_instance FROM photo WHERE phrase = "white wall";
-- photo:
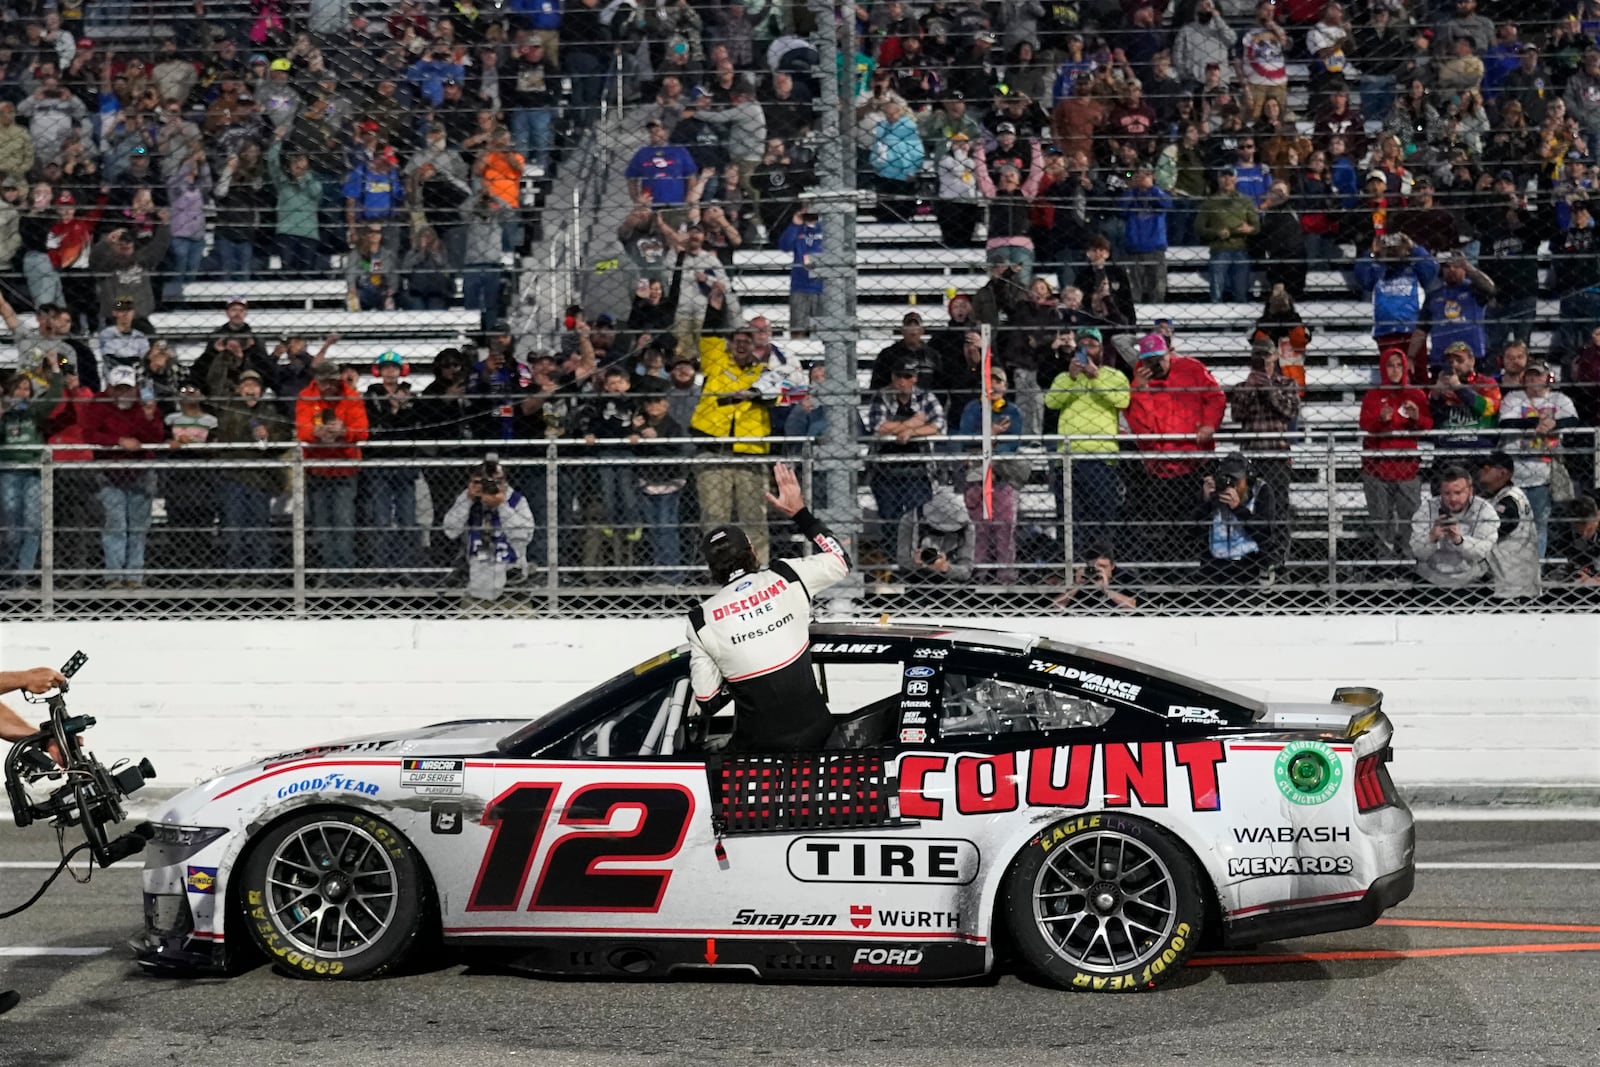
(1475, 699)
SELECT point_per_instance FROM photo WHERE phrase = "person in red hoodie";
(1175, 398)
(120, 424)
(1390, 413)
(331, 421)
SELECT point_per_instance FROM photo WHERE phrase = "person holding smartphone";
(1453, 533)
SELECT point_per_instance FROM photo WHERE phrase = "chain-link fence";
(612, 527)
(1320, 237)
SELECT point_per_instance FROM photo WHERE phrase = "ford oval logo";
(919, 672)
(742, 586)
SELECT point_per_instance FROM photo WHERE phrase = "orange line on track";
(1452, 924)
(1392, 954)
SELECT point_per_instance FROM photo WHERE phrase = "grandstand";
(617, 68)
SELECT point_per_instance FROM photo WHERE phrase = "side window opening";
(983, 705)
(642, 727)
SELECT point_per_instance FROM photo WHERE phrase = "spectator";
(745, 123)
(1176, 398)
(1576, 255)
(235, 344)
(429, 279)
(1528, 84)
(496, 525)
(1091, 395)
(1205, 41)
(1144, 211)
(126, 268)
(1513, 360)
(532, 91)
(802, 239)
(1462, 71)
(53, 113)
(121, 343)
(1225, 222)
(1543, 415)
(331, 422)
(41, 347)
(777, 183)
(1397, 273)
(245, 493)
(641, 236)
(482, 276)
(683, 389)
(1581, 549)
(1278, 248)
(1099, 578)
(1509, 235)
(1107, 293)
(660, 484)
(299, 196)
(897, 157)
(1426, 222)
(24, 423)
(371, 277)
(1263, 48)
(242, 194)
(899, 418)
(16, 147)
(659, 172)
(1452, 535)
(959, 206)
(913, 348)
(1252, 178)
(498, 171)
(695, 270)
(612, 514)
(1514, 559)
(935, 540)
(162, 372)
(731, 411)
(1456, 309)
(996, 543)
(374, 199)
(1465, 403)
(1268, 402)
(1242, 518)
(1391, 414)
(393, 418)
(190, 491)
(1281, 325)
(120, 424)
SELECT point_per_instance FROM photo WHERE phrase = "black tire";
(1104, 902)
(333, 894)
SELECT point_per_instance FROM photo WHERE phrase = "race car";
(1095, 818)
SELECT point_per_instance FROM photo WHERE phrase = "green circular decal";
(1308, 772)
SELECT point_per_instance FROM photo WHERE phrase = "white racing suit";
(754, 636)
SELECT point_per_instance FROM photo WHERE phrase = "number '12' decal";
(569, 880)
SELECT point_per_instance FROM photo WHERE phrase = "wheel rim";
(1105, 902)
(332, 889)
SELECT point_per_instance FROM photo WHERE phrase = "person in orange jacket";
(331, 422)
(1176, 397)
(1391, 412)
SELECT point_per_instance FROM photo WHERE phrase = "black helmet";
(728, 553)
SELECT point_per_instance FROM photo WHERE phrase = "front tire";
(333, 894)
(1104, 903)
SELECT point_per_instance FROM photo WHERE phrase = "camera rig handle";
(90, 796)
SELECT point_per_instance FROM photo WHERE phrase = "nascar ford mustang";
(1101, 818)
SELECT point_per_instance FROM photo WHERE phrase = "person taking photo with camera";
(496, 523)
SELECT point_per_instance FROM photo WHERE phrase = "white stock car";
(1102, 818)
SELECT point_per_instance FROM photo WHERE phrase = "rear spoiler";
(1369, 700)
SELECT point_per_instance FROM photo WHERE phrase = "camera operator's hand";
(34, 680)
(1208, 487)
(1229, 497)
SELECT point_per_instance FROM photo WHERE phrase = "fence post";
(297, 502)
(1068, 549)
(47, 534)
(1330, 475)
(552, 523)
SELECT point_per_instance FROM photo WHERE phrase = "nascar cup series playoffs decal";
(1307, 772)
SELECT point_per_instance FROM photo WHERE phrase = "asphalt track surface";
(1495, 959)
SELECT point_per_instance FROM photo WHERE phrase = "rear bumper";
(1303, 921)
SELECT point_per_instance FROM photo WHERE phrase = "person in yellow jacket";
(731, 406)
(1090, 394)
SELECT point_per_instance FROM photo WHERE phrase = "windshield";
(567, 716)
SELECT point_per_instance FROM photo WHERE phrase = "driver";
(14, 727)
(751, 641)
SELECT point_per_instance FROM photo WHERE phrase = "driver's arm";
(705, 677)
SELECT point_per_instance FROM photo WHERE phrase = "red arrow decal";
(711, 950)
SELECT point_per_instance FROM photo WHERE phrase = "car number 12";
(569, 880)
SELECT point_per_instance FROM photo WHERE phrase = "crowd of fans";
(1087, 140)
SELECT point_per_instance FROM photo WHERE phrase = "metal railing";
(613, 528)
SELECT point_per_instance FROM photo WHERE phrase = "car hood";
(463, 737)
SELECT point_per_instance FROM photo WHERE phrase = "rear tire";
(333, 894)
(1104, 903)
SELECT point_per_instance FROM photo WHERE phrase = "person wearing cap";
(122, 344)
(1175, 407)
(1514, 560)
(959, 206)
(330, 423)
(1461, 70)
(1225, 222)
(750, 642)
(433, 70)
(1529, 84)
(120, 426)
(495, 524)
(244, 494)
(803, 239)
(941, 124)
(297, 221)
(531, 90)
(1464, 403)
(1204, 40)
(1010, 195)
(912, 347)
(1539, 415)
(899, 419)
(1144, 209)
(1267, 402)
(1240, 517)
(1426, 222)
(1091, 394)
(1575, 252)
(995, 547)
(658, 172)
(393, 418)
(24, 425)
(1456, 309)
(1397, 273)
(734, 414)
(374, 196)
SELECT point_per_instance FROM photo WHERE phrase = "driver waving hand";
(751, 641)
